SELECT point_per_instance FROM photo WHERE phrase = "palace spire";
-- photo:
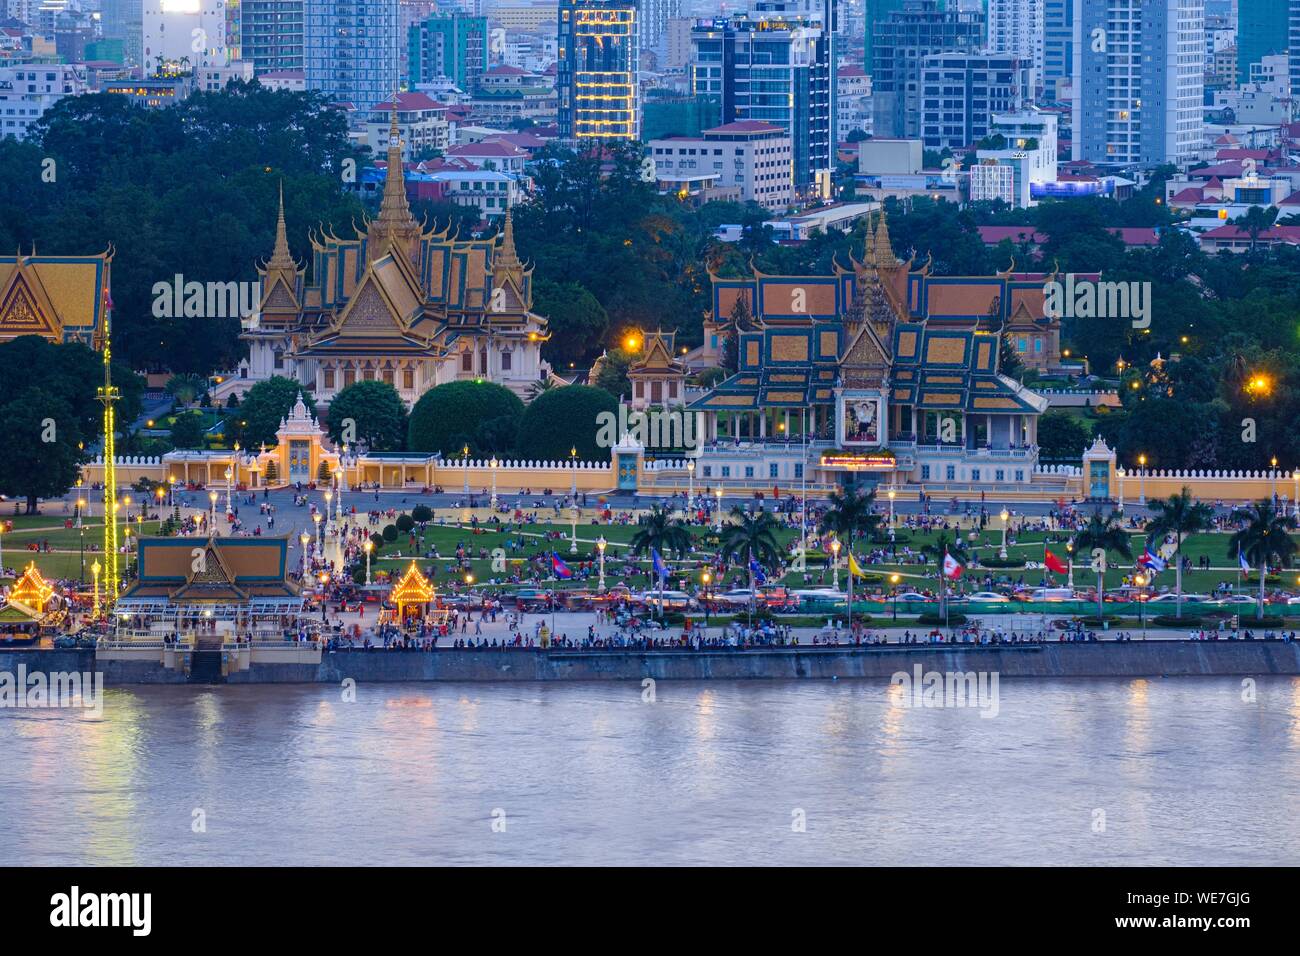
(394, 227)
(281, 258)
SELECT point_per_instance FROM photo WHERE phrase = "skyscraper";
(1263, 29)
(350, 49)
(1015, 28)
(596, 73)
(903, 39)
(271, 34)
(1058, 47)
(1139, 100)
(655, 15)
(774, 67)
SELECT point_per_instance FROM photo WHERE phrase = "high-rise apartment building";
(775, 67)
(903, 39)
(960, 92)
(1058, 48)
(177, 33)
(454, 46)
(1141, 81)
(350, 49)
(1015, 28)
(596, 73)
(271, 34)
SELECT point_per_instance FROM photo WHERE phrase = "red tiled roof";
(1289, 234)
(1230, 170)
(1190, 194)
(745, 126)
(1291, 200)
(1136, 236)
(411, 101)
(504, 69)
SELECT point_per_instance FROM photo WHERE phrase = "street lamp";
(1295, 501)
(600, 549)
(230, 474)
(718, 492)
(1069, 556)
(835, 550)
(368, 547)
(94, 570)
(573, 467)
(1273, 465)
(892, 495)
(338, 494)
(464, 454)
(303, 539)
(171, 491)
(79, 503)
(690, 483)
(1003, 552)
(493, 465)
(1142, 479)
(212, 521)
(1141, 581)
(573, 543)
(316, 519)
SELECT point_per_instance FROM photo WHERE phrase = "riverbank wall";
(1164, 658)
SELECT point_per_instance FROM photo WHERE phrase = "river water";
(1177, 771)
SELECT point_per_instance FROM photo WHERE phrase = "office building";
(271, 34)
(1015, 28)
(454, 46)
(350, 49)
(596, 73)
(960, 92)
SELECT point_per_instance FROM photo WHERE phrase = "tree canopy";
(561, 419)
(481, 415)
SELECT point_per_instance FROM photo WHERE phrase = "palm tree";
(540, 386)
(945, 544)
(1255, 221)
(1266, 540)
(661, 532)
(185, 387)
(1107, 534)
(753, 540)
(1183, 516)
(850, 512)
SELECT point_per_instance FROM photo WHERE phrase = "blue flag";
(759, 576)
(1241, 559)
(661, 569)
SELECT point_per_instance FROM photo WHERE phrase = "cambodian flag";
(1152, 560)
(1241, 559)
(559, 567)
(759, 576)
(661, 569)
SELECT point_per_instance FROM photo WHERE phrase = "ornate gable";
(25, 308)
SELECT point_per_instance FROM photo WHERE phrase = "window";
(749, 471)
(328, 377)
(467, 361)
(772, 470)
(999, 474)
(798, 470)
(708, 471)
(950, 472)
(506, 358)
(408, 378)
(1020, 475)
(925, 473)
(974, 474)
(726, 471)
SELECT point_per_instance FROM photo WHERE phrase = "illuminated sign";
(851, 461)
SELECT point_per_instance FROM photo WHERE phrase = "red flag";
(1054, 563)
(952, 568)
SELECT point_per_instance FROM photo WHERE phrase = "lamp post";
(1142, 479)
(1273, 474)
(303, 539)
(718, 492)
(1069, 556)
(79, 502)
(329, 509)
(161, 495)
(212, 518)
(464, 454)
(94, 570)
(892, 495)
(316, 518)
(600, 550)
(573, 530)
(230, 474)
(1119, 473)
(690, 484)
(1003, 552)
(171, 491)
(1295, 500)
(573, 468)
(835, 550)
(338, 490)
(493, 464)
(1141, 581)
(81, 530)
(368, 547)
(893, 581)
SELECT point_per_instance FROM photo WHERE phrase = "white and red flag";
(952, 568)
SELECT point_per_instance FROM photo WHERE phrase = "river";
(1177, 771)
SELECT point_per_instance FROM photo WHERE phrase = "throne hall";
(398, 302)
(878, 368)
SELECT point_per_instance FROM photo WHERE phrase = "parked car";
(672, 600)
(989, 597)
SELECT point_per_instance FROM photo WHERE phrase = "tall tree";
(1182, 516)
(1264, 542)
(1105, 534)
(40, 436)
(753, 540)
(370, 414)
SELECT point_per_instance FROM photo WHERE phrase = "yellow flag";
(854, 568)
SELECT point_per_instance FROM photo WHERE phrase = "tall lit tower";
(108, 394)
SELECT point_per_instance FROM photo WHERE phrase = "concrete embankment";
(1107, 659)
